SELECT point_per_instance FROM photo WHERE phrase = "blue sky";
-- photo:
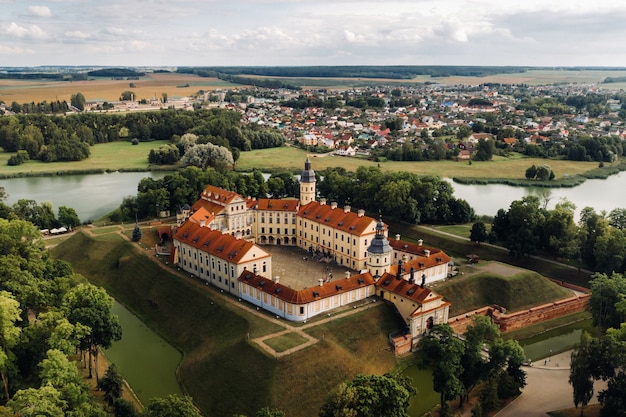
(321, 32)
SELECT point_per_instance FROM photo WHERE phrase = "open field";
(291, 159)
(107, 89)
(221, 370)
(111, 156)
(531, 77)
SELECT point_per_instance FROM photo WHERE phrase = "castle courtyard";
(298, 269)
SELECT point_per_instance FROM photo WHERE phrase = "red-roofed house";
(301, 305)
(216, 257)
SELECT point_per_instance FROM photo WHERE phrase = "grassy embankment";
(459, 248)
(511, 292)
(221, 370)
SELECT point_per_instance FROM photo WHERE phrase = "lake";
(600, 194)
(93, 196)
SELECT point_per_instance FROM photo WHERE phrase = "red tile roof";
(337, 218)
(284, 204)
(415, 249)
(214, 242)
(217, 194)
(403, 288)
(307, 295)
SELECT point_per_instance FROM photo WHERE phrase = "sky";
(317, 32)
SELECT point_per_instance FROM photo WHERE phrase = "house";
(475, 137)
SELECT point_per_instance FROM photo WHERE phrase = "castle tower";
(379, 252)
(307, 184)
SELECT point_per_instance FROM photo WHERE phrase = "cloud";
(13, 50)
(13, 30)
(39, 11)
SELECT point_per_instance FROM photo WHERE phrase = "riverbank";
(568, 181)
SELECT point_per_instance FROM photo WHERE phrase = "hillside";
(517, 292)
(221, 370)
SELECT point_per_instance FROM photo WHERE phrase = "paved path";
(547, 389)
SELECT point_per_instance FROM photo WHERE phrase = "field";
(292, 159)
(531, 77)
(111, 156)
(107, 89)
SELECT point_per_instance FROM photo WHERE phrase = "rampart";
(519, 319)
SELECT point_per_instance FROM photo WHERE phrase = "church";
(221, 239)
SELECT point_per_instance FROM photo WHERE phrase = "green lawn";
(292, 159)
(286, 341)
(111, 156)
(219, 363)
(518, 292)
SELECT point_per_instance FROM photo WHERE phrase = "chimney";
(322, 201)
(346, 209)
(202, 222)
(426, 253)
(399, 273)
(420, 242)
(361, 213)
(412, 277)
(276, 279)
(347, 274)
(333, 205)
(397, 236)
(321, 282)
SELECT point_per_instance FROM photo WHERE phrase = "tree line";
(527, 227)
(56, 138)
(603, 357)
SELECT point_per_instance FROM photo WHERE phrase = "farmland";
(107, 89)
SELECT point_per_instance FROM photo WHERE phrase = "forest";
(68, 138)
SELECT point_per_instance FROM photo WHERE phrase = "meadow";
(107, 89)
(292, 159)
(112, 156)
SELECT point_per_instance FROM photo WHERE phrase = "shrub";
(135, 141)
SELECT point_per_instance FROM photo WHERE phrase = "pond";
(556, 340)
(426, 398)
(146, 361)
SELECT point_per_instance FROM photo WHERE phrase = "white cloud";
(14, 30)
(40, 11)
(11, 50)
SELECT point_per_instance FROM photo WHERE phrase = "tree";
(91, 306)
(136, 237)
(171, 406)
(607, 305)
(42, 402)
(443, 351)
(78, 100)
(111, 383)
(580, 377)
(531, 172)
(485, 148)
(9, 314)
(370, 396)
(478, 233)
(67, 217)
(207, 155)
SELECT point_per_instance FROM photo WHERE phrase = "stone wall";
(517, 320)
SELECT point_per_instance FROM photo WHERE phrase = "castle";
(220, 239)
